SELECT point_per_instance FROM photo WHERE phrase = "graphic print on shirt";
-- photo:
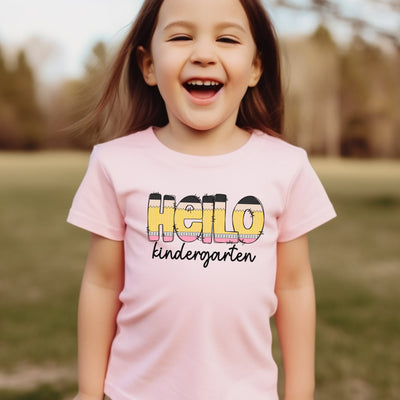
(205, 220)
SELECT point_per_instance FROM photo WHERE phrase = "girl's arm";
(295, 318)
(98, 306)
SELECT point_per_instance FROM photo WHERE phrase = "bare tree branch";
(335, 10)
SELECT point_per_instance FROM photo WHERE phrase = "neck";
(215, 141)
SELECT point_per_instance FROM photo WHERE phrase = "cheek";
(167, 64)
(242, 75)
(241, 65)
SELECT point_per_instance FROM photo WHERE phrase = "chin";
(202, 126)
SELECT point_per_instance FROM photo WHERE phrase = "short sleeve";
(95, 206)
(307, 204)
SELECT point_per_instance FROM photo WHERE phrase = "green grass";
(42, 392)
(356, 262)
(41, 262)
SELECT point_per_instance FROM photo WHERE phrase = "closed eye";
(180, 38)
(228, 39)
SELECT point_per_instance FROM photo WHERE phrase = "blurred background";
(341, 61)
(341, 64)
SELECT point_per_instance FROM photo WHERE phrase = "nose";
(203, 53)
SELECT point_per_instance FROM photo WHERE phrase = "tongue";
(202, 94)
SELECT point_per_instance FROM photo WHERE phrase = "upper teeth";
(201, 83)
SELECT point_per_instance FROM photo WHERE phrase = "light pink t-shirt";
(200, 238)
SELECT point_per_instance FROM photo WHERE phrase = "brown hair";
(128, 102)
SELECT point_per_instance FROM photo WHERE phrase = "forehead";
(202, 13)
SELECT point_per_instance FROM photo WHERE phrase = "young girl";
(198, 215)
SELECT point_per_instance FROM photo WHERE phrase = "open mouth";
(203, 89)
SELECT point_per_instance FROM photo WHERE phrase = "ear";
(257, 71)
(146, 65)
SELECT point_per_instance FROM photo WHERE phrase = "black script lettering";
(233, 255)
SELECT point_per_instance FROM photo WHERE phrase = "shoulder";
(278, 152)
(274, 143)
(126, 153)
(123, 149)
(123, 144)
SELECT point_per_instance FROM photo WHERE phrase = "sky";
(59, 34)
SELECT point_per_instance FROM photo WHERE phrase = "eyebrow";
(187, 24)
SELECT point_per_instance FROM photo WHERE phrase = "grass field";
(356, 261)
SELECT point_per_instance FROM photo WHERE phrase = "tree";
(8, 118)
(26, 104)
(21, 120)
(342, 100)
(369, 78)
(369, 100)
(74, 100)
(313, 108)
(333, 10)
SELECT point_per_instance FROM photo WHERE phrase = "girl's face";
(202, 58)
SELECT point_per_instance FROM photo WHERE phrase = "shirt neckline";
(162, 149)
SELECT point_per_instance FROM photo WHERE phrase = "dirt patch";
(360, 390)
(29, 376)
